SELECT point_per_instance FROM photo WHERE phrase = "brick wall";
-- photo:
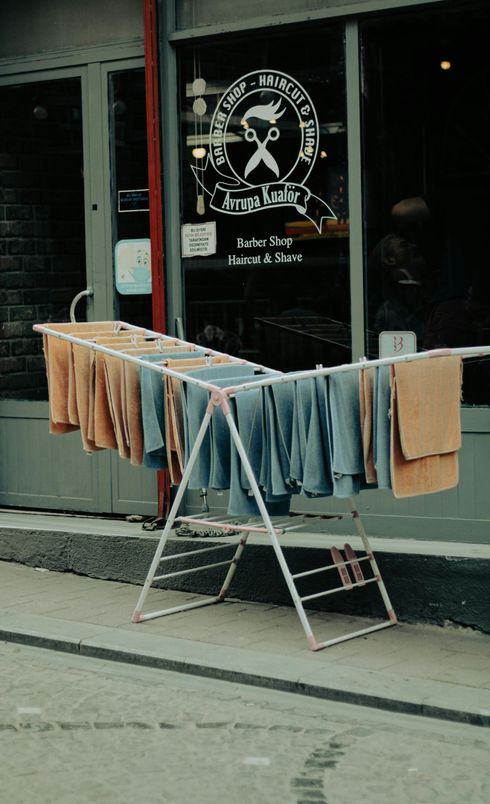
(42, 259)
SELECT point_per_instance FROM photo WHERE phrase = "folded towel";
(428, 396)
(421, 475)
(432, 471)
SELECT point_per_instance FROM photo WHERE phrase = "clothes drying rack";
(265, 524)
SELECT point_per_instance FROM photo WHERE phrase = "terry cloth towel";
(381, 426)
(428, 394)
(153, 411)
(195, 401)
(57, 355)
(301, 423)
(246, 409)
(366, 383)
(278, 401)
(101, 418)
(344, 429)
(425, 390)
(100, 415)
(81, 359)
(55, 393)
(110, 339)
(114, 372)
(174, 416)
(132, 396)
(317, 471)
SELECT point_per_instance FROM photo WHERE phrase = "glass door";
(59, 225)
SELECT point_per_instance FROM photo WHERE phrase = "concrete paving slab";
(414, 669)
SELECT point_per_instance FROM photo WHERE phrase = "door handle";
(87, 292)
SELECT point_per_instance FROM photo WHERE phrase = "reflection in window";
(129, 177)
(427, 159)
(264, 158)
(42, 224)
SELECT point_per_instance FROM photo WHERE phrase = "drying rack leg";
(272, 533)
(373, 562)
(137, 614)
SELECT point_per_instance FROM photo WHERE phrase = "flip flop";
(343, 572)
(356, 567)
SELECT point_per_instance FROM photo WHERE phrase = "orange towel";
(114, 369)
(366, 378)
(428, 402)
(57, 355)
(420, 460)
(103, 415)
(132, 396)
(91, 335)
(81, 366)
(55, 427)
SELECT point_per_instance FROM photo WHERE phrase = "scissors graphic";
(262, 154)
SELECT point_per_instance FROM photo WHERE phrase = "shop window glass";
(42, 224)
(265, 223)
(425, 121)
(130, 197)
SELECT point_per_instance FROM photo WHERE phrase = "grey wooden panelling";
(39, 470)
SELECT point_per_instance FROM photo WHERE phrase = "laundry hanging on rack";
(331, 433)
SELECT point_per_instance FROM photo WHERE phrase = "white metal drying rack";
(265, 524)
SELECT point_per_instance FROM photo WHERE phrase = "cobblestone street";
(76, 730)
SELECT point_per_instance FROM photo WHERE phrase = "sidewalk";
(416, 669)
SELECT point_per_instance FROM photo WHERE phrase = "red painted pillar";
(155, 192)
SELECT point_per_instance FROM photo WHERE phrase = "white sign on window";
(392, 344)
(132, 262)
(198, 239)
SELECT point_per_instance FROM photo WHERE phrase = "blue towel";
(381, 426)
(345, 438)
(195, 401)
(152, 409)
(278, 401)
(301, 423)
(317, 469)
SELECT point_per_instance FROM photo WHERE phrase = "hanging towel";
(278, 401)
(174, 415)
(132, 395)
(55, 393)
(301, 422)
(381, 426)
(414, 400)
(317, 470)
(195, 403)
(114, 371)
(57, 355)
(246, 409)
(344, 430)
(153, 411)
(428, 394)
(366, 384)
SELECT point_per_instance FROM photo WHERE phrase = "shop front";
(325, 172)
(73, 176)
(326, 183)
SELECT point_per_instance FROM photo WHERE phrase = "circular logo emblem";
(264, 129)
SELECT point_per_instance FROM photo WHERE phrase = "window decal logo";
(272, 115)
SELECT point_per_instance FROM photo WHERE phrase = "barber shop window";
(264, 219)
(425, 118)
